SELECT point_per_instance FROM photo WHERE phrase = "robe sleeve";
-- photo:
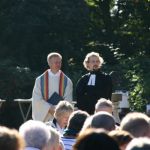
(110, 86)
(40, 107)
(68, 91)
(81, 92)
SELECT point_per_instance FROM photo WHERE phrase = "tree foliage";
(117, 29)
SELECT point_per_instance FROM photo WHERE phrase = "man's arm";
(81, 93)
(110, 86)
(68, 91)
(40, 108)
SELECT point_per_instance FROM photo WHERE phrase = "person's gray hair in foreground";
(137, 124)
(36, 134)
(103, 120)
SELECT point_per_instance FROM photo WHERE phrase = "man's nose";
(95, 62)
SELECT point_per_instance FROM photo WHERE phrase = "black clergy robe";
(88, 95)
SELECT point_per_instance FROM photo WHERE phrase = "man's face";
(55, 64)
(93, 63)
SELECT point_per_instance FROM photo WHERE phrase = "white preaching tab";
(92, 80)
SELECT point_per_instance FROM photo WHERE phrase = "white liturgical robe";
(40, 107)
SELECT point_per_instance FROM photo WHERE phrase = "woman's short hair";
(86, 60)
(63, 107)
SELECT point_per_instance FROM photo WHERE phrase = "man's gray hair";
(103, 103)
(103, 120)
(35, 133)
(137, 124)
(53, 54)
(54, 141)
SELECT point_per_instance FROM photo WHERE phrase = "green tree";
(118, 29)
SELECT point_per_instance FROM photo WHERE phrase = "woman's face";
(63, 119)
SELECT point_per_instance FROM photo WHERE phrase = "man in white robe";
(52, 80)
